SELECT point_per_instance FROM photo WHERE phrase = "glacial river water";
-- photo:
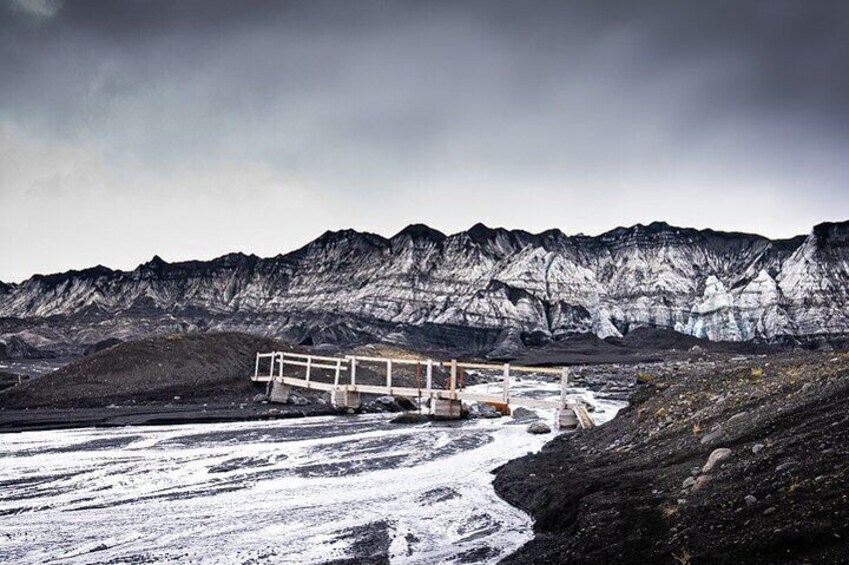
(311, 490)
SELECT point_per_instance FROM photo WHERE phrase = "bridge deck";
(425, 388)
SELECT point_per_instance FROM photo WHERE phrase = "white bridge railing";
(344, 377)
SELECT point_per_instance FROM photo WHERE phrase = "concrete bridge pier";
(343, 398)
(566, 418)
(279, 392)
(573, 416)
(446, 408)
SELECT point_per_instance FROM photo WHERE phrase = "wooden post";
(429, 385)
(506, 394)
(353, 371)
(452, 382)
(564, 384)
(271, 368)
(256, 368)
(309, 368)
(282, 356)
(338, 372)
(389, 375)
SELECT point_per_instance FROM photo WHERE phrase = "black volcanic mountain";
(484, 289)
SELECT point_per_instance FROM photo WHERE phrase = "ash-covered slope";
(484, 289)
(194, 368)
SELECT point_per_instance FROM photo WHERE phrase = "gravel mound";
(747, 462)
(174, 368)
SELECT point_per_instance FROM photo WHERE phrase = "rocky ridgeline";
(741, 461)
(485, 290)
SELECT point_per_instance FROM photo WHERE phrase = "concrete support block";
(279, 392)
(566, 419)
(342, 398)
(446, 409)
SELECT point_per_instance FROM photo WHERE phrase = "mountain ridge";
(498, 285)
(420, 229)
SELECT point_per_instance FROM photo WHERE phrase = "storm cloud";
(191, 129)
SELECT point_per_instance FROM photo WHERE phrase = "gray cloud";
(303, 116)
(39, 9)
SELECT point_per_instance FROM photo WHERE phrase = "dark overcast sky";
(191, 129)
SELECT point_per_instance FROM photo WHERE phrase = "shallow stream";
(310, 490)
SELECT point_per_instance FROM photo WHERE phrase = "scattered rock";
(539, 428)
(715, 457)
(409, 418)
(750, 500)
(701, 481)
(688, 482)
(261, 398)
(483, 410)
(388, 403)
(770, 510)
(406, 403)
(520, 413)
(784, 466)
(711, 436)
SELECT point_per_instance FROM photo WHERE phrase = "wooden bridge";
(338, 376)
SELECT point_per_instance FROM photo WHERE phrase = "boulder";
(406, 403)
(701, 481)
(385, 404)
(483, 410)
(539, 428)
(715, 457)
(298, 400)
(520, 413)
(714, 435)
(409, 418)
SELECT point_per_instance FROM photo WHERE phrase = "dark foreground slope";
(193, 367)
(617, 494)
(181, 378)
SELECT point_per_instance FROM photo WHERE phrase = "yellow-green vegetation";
(645, 378)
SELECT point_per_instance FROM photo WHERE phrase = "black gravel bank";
(637, 490)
